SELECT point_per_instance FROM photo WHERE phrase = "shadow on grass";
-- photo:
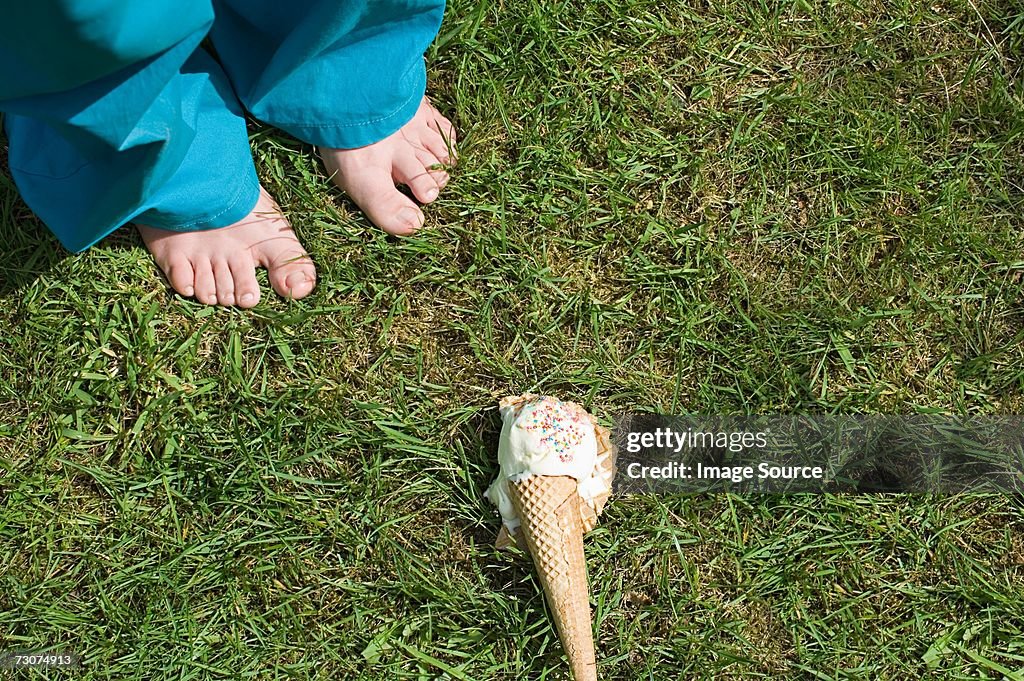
(28, 250)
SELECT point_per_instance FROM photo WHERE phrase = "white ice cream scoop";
(542, 435)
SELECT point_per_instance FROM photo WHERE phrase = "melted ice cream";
(544, 436)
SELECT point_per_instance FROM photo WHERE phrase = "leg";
(348, 77)
(108, 126)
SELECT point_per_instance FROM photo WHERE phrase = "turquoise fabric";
(115, 114)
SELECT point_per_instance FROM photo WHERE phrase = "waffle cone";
(552, 529)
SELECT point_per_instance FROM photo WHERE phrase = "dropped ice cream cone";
(557, 465)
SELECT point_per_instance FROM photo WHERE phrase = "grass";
(688, 207)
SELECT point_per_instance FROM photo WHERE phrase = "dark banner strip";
(780, 454)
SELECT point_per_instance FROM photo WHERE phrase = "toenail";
(296, 278)
(410, 215)
(247, 297)
(189, 292)
(432, 193)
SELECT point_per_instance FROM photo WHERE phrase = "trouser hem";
(240, 205)
(352, 135)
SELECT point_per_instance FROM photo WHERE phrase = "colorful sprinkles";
(561, 428)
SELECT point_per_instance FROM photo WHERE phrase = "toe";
(181, 275)
(408, 170)
(435, 143)
(434, 167)
(289, 267)
(442, 143)
(299, 283)
(374, 192)
(243, 271)
(224, 281)
(205, 284)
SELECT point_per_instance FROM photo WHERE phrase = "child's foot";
(218, 266)
(411, 156)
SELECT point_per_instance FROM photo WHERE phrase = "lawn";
(731, 207)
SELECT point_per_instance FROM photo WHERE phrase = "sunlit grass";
(736, 207)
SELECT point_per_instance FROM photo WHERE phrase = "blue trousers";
(114, 113)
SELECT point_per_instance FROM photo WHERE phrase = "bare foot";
(218, 266)
(413, 156)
